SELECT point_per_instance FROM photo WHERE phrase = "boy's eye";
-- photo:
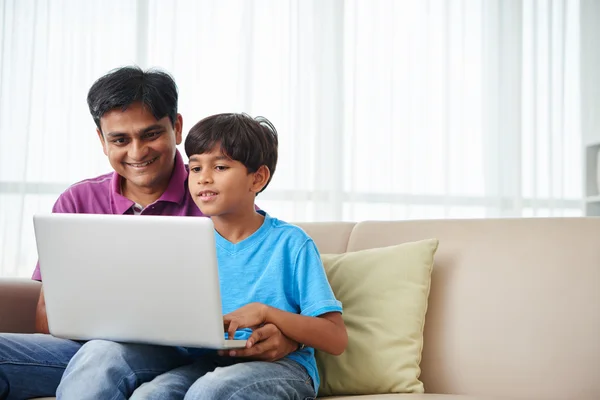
(195, 169)
(221, 167)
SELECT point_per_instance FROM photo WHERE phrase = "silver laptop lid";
(141, 279)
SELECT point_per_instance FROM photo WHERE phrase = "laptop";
(129, 278)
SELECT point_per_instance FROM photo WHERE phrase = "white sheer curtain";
(385, 109)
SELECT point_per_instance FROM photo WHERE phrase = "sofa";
(513, 308)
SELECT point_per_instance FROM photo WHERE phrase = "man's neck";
(141, 195)
(236, 228)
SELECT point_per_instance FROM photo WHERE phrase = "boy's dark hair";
(251, 141)
(124, 86)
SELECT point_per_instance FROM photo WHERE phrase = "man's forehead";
(131, 120)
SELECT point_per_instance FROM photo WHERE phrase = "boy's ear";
(260, 179)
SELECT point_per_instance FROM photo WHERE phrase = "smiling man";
(139, 128)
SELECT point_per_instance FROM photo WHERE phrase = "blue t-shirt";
(278, 265)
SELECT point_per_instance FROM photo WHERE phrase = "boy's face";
(140, 148)
(220, 185)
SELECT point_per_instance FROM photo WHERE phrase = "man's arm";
(64, 204)
(41, 321)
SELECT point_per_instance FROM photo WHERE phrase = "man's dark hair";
(251, 141)
(124, 86)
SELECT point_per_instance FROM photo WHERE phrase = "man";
(139, 129)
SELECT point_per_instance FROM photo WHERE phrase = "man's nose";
(138, 150)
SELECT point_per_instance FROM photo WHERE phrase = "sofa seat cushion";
(413, 396)
(390, 397)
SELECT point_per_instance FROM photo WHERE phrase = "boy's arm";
(268, 344)
(317, 321)
(326, 332)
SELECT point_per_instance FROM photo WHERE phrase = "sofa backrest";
(514, 308)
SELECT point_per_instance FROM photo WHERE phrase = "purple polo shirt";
(101, 195)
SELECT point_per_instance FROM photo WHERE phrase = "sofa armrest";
(18, 302)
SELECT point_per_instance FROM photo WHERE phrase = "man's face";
(221, 186)
(140, 148)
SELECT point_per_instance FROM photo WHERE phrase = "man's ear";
(178, 129)
(102, 141)
(260, 179)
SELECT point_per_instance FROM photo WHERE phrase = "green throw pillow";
(384, 292)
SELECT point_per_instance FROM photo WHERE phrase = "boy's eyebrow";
(196, 158)
(141, 132)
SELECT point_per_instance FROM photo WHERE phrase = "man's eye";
(119, 141)
(152, 135)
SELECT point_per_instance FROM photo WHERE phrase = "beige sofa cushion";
(384, 293)
(521, 293)
(426, 396)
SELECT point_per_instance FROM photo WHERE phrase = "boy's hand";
(266, 343)
(250, 316)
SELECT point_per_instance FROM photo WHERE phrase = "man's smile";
(142, 164)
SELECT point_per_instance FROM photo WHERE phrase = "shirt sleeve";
(313, 291)
(64, 204)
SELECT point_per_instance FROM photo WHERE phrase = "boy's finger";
(231, 330)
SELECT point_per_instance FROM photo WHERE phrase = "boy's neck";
(237, 227)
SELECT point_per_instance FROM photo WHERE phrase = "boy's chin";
(209, 212)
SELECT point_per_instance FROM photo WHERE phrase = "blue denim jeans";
(32, 365)
(104, 370)
(214, 377)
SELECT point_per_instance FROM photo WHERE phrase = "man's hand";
(251, 316)
(266, 343)
(41, 320)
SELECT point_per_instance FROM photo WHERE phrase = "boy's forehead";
(215, 153)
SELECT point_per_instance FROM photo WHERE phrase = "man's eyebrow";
(147, 129)
(115, 134)
(154, 127)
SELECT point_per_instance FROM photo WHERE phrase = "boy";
(270, 272)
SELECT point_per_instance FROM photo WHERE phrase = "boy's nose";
(204, 179)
